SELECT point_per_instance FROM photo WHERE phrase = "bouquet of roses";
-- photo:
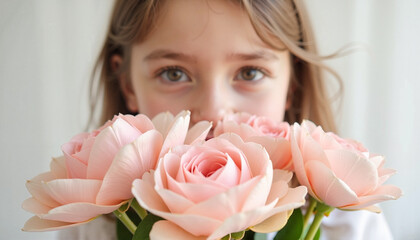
(183, 184)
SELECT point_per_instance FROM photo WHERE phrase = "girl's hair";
(278, 23)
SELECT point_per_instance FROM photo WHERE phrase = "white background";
(47, 49)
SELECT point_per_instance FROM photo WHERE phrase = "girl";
(214, 57)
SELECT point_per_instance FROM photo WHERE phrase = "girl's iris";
(174, 75)
(250, 74)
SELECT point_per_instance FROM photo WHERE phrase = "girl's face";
(206, 57)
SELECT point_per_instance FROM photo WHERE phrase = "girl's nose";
(211, 104)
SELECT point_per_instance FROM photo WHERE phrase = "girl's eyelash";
(162, 70)
(256, 68)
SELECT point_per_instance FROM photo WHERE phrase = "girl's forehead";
(201, 12)
(196, 17)
(203, 27)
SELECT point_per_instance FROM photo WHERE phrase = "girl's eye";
(173, 75)
(250, 74)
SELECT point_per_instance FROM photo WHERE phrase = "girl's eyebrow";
(164, 53)
(168, 54)
(263, 55)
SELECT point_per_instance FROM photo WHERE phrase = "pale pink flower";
(89, 155)
(211, 189)
(338, 172)
(272, 135)
(95, 175)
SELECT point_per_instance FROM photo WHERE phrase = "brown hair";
(277, 22)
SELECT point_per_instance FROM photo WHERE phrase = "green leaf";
(249, 235)
(294, 227)
(227, 237)
(238, 235)
(122, 232)
(144, 228)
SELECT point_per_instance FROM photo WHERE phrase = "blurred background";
(47, 49)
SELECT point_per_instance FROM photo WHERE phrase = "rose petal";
(36, 189)
(151, 201)
(78, 212)
(257, 157)
(163, 122)
(83, 154)
(208, 166)
(177, 133)
(58, 167)
(198, 132)
(175, 202)
(67, 191)
(195, 192)
(308, 125)
(294, 198)
(130, 163)
(163, 230)
(224, 205)
(34, 206)
(372, 208)
(169, 166)
(327, 187)
(107, 144)
(36, 224)
(298, 164)
(325, 140)
(312, 151)
(228, 175)
(242, 220)
(76, 162)
(140, 122)
(258, 195)
(278, 190)
(278, 149)
(383, 193)
(241, 129)
(146, 195)
(273, 223)
(191, 223)
(76, 169)
(378, 161)
(357, 172)
(282, 175)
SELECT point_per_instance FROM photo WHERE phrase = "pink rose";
(95, 175)
(274, 136)
(339, 172)
(89, 155)
(215, 188)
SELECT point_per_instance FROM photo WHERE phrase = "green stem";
(314, 226)
(122, 216)
(320, 211)
(139, 210)
(309, 211)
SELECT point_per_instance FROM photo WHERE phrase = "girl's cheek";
(267, 103)
(151, 103)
